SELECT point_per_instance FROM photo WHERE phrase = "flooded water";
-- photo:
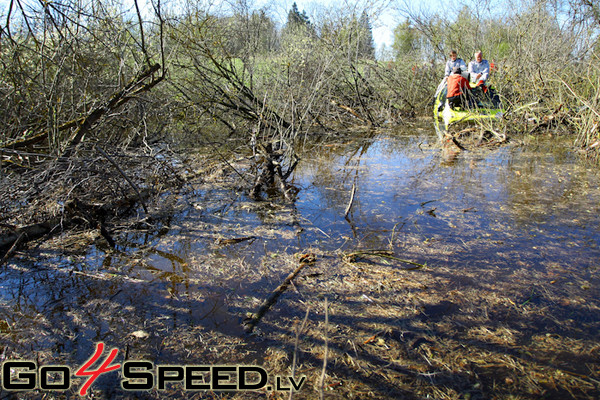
(535, 207)
(518, 197)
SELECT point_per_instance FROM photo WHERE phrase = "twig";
(500, 136)
(360, 98)
(137, 9)
(12, 249)
(394, 233)
(272, 299)
(106, 276)
(581, 99)
(321, 230)
(457, 143)
(351, 201)
(295, 358)
(423, 204)
(348, 109)
(322, 380)
(227, 162)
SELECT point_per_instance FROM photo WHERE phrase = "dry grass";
(457, 326)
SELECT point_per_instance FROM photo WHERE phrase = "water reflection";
(505, 193)
(534, 206)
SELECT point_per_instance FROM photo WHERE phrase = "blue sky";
(383, 24)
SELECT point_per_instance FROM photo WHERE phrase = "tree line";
(92, 87)
(235, 70)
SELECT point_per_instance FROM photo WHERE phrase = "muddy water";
(535, 206)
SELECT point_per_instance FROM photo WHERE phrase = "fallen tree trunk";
(32, 232)
(135, 87)
(39, 137)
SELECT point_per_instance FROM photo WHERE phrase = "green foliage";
(237, 69)
(366, 44)
(250, 33)
(298, 23)
(466, 34)
(349, 35)
(407, 40)
(297, 19)
(298, 34)
(528, 45)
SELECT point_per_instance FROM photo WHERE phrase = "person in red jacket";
(459, 91)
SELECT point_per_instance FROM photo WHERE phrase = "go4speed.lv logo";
(18, 375)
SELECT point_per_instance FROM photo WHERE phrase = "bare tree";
(70, 71)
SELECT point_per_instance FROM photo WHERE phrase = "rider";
(459, 91)
(479, 70)
(454, 61)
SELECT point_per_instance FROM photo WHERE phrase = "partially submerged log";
(32, 232)
(354, 256)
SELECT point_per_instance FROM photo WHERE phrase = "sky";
(383, 25)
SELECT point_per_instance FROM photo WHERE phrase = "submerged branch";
(272, 299)
(352, 257)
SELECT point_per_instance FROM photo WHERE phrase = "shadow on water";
(488, 219)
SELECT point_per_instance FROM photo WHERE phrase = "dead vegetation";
(419, 317)
(373, 329)
(95, 190)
